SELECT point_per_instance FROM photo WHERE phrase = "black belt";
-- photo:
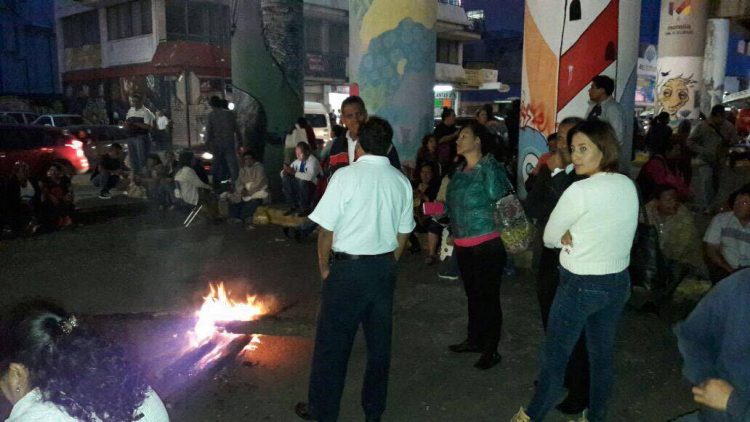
(343, 256)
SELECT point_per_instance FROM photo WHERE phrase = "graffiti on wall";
(674, 93)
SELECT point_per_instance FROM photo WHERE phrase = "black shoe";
(369, 418)
(302, 410)
(288, 232)
(488, 360)
(571, 407)
(464, 347)
(291, 211)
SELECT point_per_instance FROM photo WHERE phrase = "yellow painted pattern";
(385, 15)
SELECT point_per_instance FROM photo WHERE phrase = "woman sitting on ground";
(679, 240)
(427, 154)
(426, 190)
(54, 368)
(187, 182)
(658, 172)
(56, 208)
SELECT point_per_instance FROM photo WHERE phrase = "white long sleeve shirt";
(310, 172)
(601, 213)
(189, 183)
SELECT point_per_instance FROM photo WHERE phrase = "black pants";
(577, 372)
(481, 269)
(356, 292)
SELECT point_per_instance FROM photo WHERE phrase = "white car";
(59, 120)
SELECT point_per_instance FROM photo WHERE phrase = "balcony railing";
(325, 65)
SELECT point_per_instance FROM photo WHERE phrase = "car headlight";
(207, 156)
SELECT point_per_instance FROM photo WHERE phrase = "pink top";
(468, 242)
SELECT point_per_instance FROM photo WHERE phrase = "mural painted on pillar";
(674, 93)
(677, 90)
(566, 44)
(396, 72)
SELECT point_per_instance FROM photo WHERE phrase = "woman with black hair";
(53, 368)
(446, 133)
(472, 193)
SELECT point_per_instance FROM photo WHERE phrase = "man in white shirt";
(299, 179)
(138, 122)
(365, 218)
(728, 237)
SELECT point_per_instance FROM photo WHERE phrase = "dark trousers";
(105, 181)
(358, 292)
(297, 192)
(577, 373)
(244, 210)
(481, 270)
(224, 165)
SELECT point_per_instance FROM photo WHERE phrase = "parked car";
(59, 120)
(19, 117)
(39, 147)
(96, 139)
(317, 115)
(7, 120)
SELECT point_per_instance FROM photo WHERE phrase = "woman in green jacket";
(472, 194)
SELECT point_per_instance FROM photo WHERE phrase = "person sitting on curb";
(110, 170)
(728, 237)
(250, 189)
(299, 180)
(188, 184)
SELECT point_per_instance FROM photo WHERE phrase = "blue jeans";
(357, 292)
(244, 210)
(138, 150)
(593, 303)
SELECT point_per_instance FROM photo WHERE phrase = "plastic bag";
(515, 228)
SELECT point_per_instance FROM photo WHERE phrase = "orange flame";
(219, 307)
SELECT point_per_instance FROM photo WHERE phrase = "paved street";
(127, 260)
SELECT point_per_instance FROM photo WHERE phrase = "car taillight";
(76, 145)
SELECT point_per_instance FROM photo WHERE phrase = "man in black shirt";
(109, 171)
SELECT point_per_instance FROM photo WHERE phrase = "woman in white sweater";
(594, 223)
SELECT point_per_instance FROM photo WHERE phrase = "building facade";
(173, 52)
(177, 54)
(28, 63)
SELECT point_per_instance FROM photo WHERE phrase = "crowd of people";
(592, 222)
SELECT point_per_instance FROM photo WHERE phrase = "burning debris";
(218, 309)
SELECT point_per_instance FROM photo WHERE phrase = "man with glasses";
(728, 237)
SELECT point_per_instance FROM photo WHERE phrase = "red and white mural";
(566, 44)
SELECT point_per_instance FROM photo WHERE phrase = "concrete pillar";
(565, 45)
(682, 42)
(714, 63)
(392, 59)
(266, 49)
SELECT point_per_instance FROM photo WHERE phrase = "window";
(447, 51)
(313, 35)
(81, 29)
(574, 13)
(129, 19)
(475, 14)
(198, 21)
(338, 39)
